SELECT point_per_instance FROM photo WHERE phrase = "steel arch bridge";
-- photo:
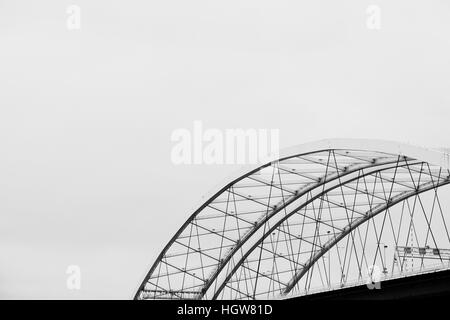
(323, 216)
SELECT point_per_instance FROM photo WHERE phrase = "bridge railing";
(366, 280)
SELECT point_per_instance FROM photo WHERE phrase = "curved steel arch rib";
(345, 230)
(355, 224)
(223, 248)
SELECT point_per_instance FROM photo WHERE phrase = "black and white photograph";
(224, 158)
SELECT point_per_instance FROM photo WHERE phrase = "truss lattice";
(318, 219)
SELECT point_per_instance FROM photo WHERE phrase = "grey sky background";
(86, 115)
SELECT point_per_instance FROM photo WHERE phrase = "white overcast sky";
(86, 115)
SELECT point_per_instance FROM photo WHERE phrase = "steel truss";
(312, 220)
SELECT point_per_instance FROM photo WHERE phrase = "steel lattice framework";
(317, 218)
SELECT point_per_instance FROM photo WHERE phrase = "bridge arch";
(312, 198)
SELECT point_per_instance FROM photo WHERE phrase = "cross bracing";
(318, 217)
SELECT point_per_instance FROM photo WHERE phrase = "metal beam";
(355, 224)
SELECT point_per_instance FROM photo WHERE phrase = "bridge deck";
(427, 285)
